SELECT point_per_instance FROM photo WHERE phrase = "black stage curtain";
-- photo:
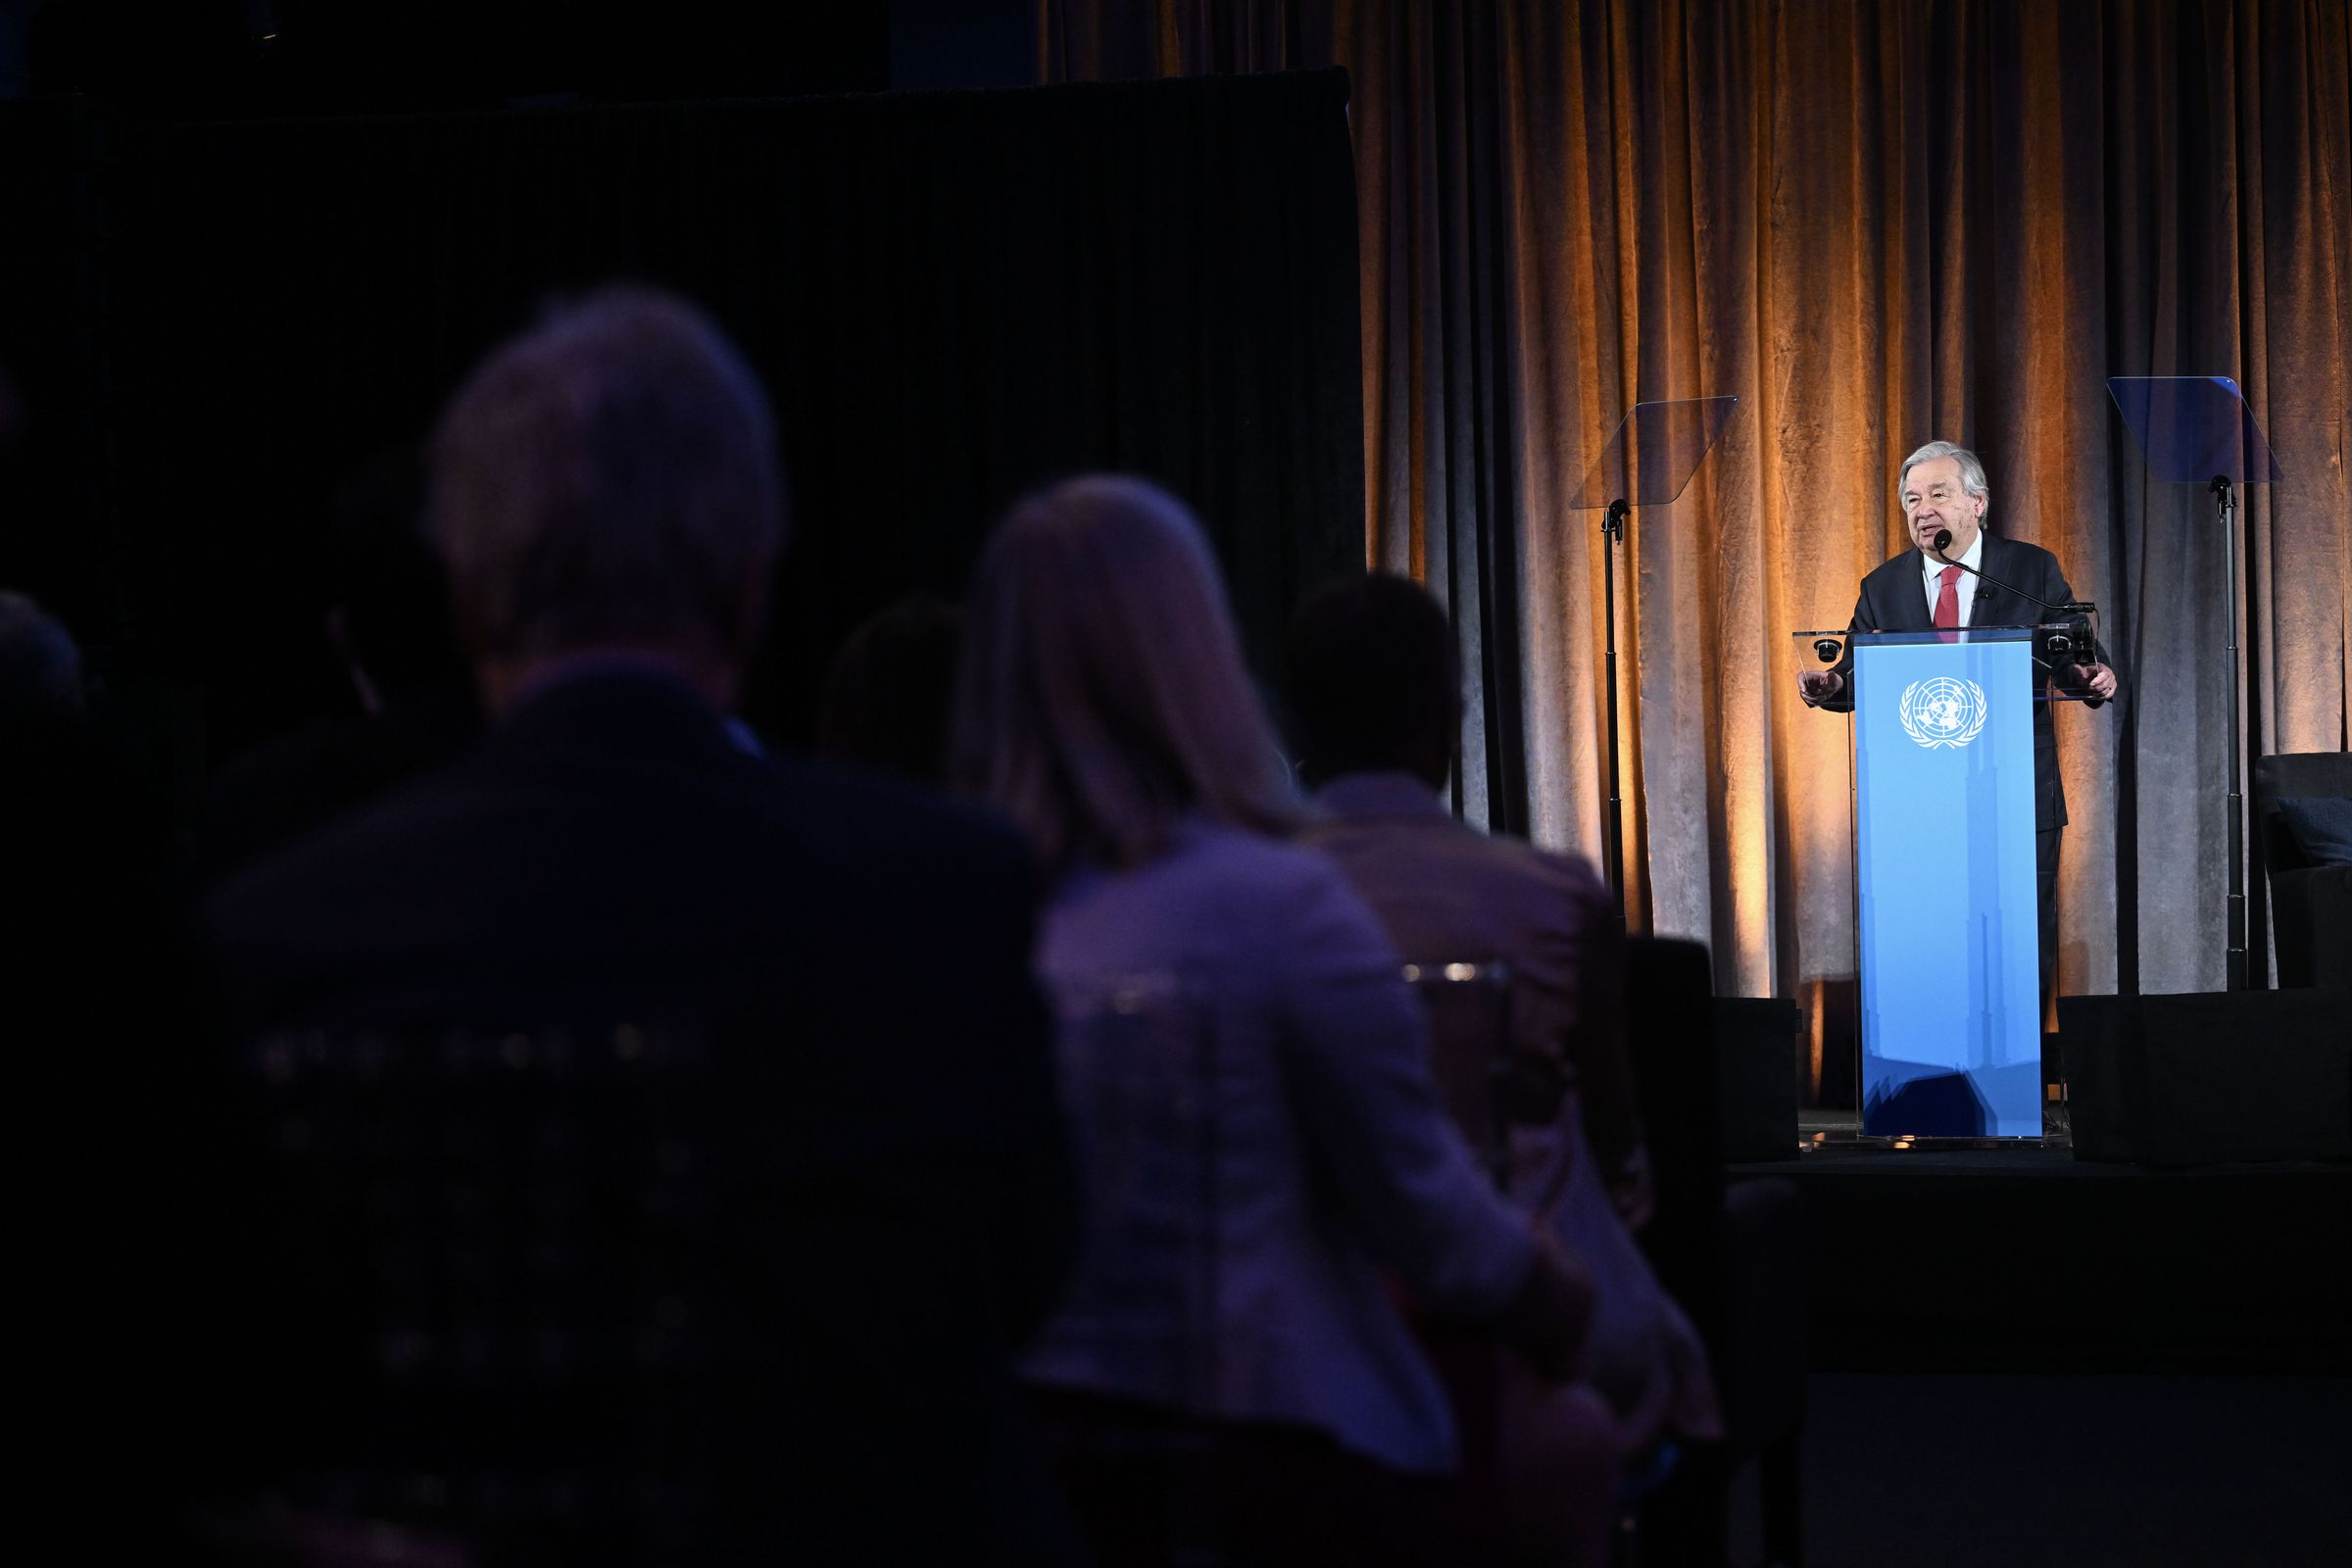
(953, 298)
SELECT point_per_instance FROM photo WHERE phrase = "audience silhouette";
(1262, 1139)
(147, 1282)
(1374, 694)
(678, 1119)
(604, 1140)
(888, 692)
(388, 625)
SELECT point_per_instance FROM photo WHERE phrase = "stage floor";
(2070, 1471)
(2023, 1258)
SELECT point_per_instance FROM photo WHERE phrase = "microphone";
(2058, 642)
(1943, 537)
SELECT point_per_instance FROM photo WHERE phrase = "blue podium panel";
(1943, 782)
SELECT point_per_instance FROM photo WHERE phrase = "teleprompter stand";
(1647, 462)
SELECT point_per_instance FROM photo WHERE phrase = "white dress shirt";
(1966, 588)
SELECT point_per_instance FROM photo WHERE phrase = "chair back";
(2292, 776)
(498, 1224)
(1468, 1003)
(1670, 1045)
(1140, 1079)
(2289, 887)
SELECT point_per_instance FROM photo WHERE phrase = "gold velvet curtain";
(1876, 224)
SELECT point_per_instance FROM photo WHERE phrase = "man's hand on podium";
(2096, 679)
(1818, 686)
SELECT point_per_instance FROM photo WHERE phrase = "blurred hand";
(1818, 686)
(1545, 1322)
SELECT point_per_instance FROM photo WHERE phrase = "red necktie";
(1947, 600)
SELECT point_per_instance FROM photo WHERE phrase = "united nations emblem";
(1942, 712)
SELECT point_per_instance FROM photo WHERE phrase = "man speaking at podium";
(1972, 578)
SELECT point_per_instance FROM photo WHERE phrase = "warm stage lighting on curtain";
(1876, 225)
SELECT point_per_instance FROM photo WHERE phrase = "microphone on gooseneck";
(1943, 537)
(2056, 640)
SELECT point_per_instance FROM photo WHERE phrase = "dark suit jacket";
(1893, 599)
(291, 786)
(882, 1206)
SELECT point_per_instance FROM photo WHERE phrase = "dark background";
(230, 300)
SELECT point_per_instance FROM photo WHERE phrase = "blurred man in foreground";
(676, 1121)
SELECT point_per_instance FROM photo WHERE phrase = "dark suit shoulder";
(1889, 599)
(2016, 549)
(1893, 569)
(896, 809)
(623, 873)
(2021, 558)
(278, 792)
(880, 819)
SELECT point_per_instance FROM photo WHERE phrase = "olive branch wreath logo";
(1943, 710)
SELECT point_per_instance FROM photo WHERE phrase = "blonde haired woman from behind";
(1230, 1358)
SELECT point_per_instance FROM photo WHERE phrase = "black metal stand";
(1612, 823)
(1648, 461)
(2225, 505)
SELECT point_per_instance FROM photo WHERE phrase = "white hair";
(1971, 472)
(609, 476)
